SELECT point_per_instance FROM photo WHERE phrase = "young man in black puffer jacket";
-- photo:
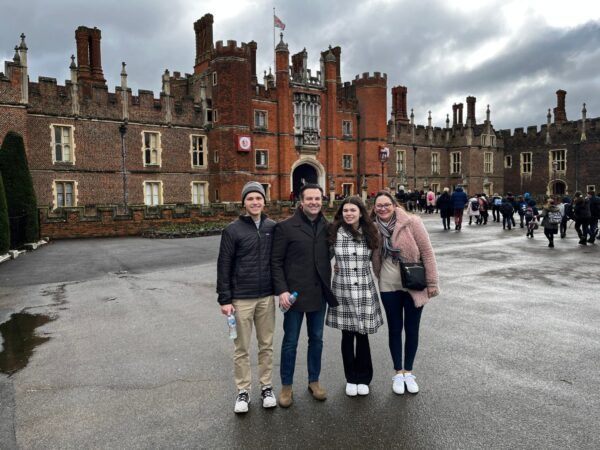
(245, 289)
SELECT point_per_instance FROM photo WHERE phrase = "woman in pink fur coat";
(403, 236)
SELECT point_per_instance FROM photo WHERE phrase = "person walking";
(354, 237)
(459, 200)
(594, 215)
(532, 217)
(403, 237)
(300, 262)
(245, 289)
(430, 201)
(507, 211)
(473, 210)
(496, 204)
(551, 219)
(583, 215)
(444, 204)
(566, 212)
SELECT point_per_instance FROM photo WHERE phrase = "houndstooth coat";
(354, 288)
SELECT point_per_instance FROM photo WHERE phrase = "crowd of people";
(262, 263)
(553, 217)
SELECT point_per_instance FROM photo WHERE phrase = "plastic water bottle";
(292, 299)
(232, 326)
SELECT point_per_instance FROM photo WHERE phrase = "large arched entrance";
(558, 188)
(304, 173)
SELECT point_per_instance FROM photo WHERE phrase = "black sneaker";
(268, 398)
(241, 402)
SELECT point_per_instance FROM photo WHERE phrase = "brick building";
(561, 158)
(465, 153)
(206, 135)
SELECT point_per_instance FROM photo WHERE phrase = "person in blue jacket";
(459, 200)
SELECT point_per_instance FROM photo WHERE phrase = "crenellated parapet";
(366, 80)
(231, 50)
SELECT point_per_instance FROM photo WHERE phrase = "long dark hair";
(369, 230)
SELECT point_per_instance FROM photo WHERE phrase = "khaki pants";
(261, 313)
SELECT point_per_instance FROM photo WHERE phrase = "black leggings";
(358, 367)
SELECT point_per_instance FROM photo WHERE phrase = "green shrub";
(4, 229)
(18, 185)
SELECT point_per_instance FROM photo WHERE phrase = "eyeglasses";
(383, 206)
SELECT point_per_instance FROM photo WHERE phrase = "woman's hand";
(432, 291)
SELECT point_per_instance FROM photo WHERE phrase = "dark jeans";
(582, 225)
(563, 226)
(507, 221)
(593, 228)
(401, 312)
(358, 367)
(292, 323)
(446, 222)
(496, 213)
(458, 216)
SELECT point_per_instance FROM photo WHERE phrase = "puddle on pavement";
(19, 340)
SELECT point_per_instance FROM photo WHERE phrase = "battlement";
(232, 49)
(377, 79)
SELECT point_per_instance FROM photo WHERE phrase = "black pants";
(549, 233)
(496, 213)
(446, 222)
(358, 367)
(581, 225)
(563, 226)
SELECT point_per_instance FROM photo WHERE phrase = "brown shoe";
(286, 397)
(317, 391)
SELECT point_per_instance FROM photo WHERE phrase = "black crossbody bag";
(413, 276)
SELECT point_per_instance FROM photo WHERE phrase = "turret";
(24, 74)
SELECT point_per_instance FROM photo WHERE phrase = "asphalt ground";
(136, 353)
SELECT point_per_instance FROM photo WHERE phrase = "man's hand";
(227, 309)
(284, 300)
(432, 292)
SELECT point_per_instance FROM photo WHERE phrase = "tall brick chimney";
(399, 110)
(253, 46)
(460, 113)
(560, 114)
(204, 42)
(454, 115)
(471, 111)
(89, 59)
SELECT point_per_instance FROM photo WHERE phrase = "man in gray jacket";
(245, 289)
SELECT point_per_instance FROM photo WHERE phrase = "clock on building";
(244, 143)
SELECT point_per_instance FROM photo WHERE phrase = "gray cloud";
(427, 46)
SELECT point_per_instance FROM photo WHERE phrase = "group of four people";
(259, 259)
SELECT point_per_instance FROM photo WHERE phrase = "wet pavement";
(137, 354)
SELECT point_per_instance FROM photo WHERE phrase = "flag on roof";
(278, 23)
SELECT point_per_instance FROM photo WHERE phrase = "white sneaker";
(398, 386)
(241, 402)
(363, 389)
(351, 390)
(411, 384)
(268, 399)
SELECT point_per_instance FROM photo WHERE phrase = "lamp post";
(384, 154)
(123, 131)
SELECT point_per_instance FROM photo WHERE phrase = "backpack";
(475, 205)
(498, 202)
(554, 217)
(529, 213)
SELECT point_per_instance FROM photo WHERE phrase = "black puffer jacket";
(244, 263)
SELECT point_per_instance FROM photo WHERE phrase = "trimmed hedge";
(4, 227)
(18, 185)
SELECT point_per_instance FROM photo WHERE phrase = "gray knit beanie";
(252, 186)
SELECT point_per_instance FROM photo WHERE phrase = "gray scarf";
(386, 230)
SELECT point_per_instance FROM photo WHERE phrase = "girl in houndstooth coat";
(354, 237)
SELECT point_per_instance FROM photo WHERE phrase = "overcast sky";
(511, 54)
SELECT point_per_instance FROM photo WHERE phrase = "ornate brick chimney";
(560, 114)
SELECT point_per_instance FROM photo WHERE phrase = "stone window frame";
(158, 149)
(347, 191)
(160, 192)
(266, 154)
(508, 159)
(553, 155)
(455, 162)
(214, 78)
(488, 166)
(400, 161)
(74, 193)
(267, 188)
(347, 128)
(258, 113)
(347, 161)
(435, 163)
(590, 187)
(53, 143)
(526, 163)
(204, 151)
(205, 190)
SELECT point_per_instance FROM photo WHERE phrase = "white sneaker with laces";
(268, 399)
(362, 389)
(411, 384)
(398, 384)
(351, 390)
(241, 402)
